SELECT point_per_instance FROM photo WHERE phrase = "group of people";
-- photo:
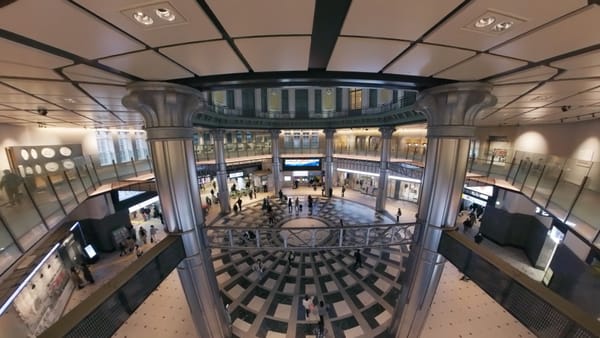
(308, 302)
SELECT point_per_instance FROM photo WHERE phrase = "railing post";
(517, 172)
(116, 170)
(62, 207)
(490, 167)
(538, 181)
(579, 191)
(95, 171)
(526, 175)
(257, 238)
(70, 186)
(368, 234)
(81, 179)
(312, 238)
(230, 235)
(134, 168)
(554, 189)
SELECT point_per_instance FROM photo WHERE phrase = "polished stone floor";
(361, 299)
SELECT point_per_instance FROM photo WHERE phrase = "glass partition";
(104, 171)
(567, 188)
(549, 180)
(23, 221)
(584, 216)
(9, 252)
(63, 191)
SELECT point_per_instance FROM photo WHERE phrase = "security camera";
(565, 108)
(42, 111)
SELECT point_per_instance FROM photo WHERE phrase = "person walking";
(239, 203)
(297, 204)
(11, 182)
(398, 214)
(357, 259)
(307, 302)
(87, 274)
(152, 233)
(322, 311)
(76, 278)
(143, 235)
(290, 205)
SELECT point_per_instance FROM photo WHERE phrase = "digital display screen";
(90, 251)
(302, 164)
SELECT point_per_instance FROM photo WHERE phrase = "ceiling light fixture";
(503, 26)
(143, 18)
(165, 14)
(485, 21)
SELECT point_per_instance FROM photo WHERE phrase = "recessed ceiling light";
(143, 18)
(485, 21)
(502, 26)
(165, 14)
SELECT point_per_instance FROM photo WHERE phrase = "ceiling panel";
(510, 90)
(564, 88)
(536, 74)
(276, 53)
(583, 99)
(38, 87)
(580, 73)
(364, 55)
(426, 60)
(567, 34)
(400, 19)
(200, 58)
(580, 61)
(86, 73)
(19, 70)
(61, 24)
(33, 105)
(104, 91)
(148, 65)
(13, 52)
(264, 17)
(460, 31)
(479, 67)
(191, 23)
(19, 99)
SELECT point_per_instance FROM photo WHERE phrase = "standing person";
(11, 182)
(138, 251)
(291, 257)
(239, 203)
(343, 190)
(280, 195)
(322, 312)
(152, 233)
(330, 192)
(307, 302)
(290, 205)
(341, 223)
(76, 278)
(357, 259)
(87, 274)
(143, 235)
(398, 214)
(297, 204)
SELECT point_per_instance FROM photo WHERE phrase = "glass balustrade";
(44, 201)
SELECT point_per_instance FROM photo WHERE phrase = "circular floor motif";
(303, 231)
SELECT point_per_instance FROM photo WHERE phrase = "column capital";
(329, 132)
(454, 106)
(386, 132)
(275, 133)
(218, 134)
(164, 104)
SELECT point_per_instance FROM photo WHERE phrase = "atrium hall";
(315, 168)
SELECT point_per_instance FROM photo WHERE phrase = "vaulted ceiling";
(74, 58)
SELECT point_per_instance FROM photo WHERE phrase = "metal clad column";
(276, 167)
(328, 160)
(451, 111)
(168, 110)
(219, 136)
(386, 137)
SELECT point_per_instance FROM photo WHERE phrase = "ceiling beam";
(327, 25)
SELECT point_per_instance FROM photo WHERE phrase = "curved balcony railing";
(569, 189)
(44, 201)
(314, 238)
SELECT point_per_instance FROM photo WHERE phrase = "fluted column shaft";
(329, 160)
(219, 137)
(276, 167)
(386, 138)
(450, 111)
(168, 110)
